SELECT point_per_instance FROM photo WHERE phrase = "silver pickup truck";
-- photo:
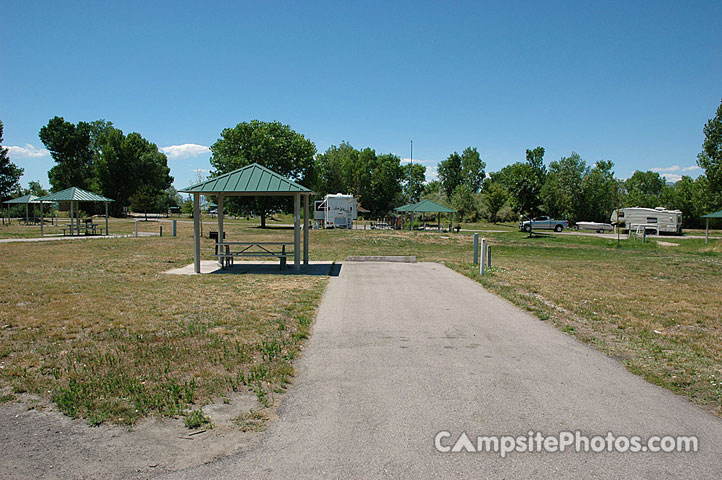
(543, 223)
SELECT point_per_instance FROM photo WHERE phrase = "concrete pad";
(260, 268)
(382, 258)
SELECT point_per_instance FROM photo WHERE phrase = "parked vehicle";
(543, 223)
(659, 220)
(336, 211)
(594, 226)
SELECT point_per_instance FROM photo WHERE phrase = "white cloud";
(201, 170)
(28, 151)
(671, 177)
(187, 150)
(675, 168)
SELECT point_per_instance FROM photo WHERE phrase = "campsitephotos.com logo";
(576, 441)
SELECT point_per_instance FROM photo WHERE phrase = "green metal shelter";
(707, 217)
(75, 195)
(24, 200)
(252, 181)
(427, 206)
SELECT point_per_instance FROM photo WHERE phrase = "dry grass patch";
(95, 327)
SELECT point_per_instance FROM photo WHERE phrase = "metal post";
(196, 233)
(161, 231)
(72, 219)
(296, 232)
(136, 228)
(476, 249)
(644, 235)
(42, 220)
(107, 232)
(488, 256)
(305, 229)
(26, 214)
(482, 268)
(219, 240)
(174, 227)
(77, 217)
(706, 232)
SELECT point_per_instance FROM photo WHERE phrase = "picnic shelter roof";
(425, 206)
(713, 215)
(74, 194)
(253, 179)
(23, 200)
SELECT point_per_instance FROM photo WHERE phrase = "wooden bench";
(251, 250)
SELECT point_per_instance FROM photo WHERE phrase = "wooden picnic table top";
(254, 243)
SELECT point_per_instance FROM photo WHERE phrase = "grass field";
(95, 326)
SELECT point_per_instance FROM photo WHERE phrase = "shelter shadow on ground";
(331, 269)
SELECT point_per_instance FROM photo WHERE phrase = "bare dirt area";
(39, 442)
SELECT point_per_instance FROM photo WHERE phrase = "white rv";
(336, 211)
(657, 219)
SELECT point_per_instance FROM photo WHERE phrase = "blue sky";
(632, 82)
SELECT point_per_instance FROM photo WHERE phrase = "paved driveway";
(400, 352)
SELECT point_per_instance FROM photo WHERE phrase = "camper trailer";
(335, 211)
(658, 220)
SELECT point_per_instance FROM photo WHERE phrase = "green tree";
(711, 156)
(472, 169)
(643, 189)
(464, 202)
(271, 144)
(495, 196)
(127, 162)
(450, 173)
(35, 188)
(334, 170)
(563, 190)
(692, 197)
(9, 172)
(414, 176)
(599, 193)
(380, 178)
(146, 198)
(521, 181)
(70, 146)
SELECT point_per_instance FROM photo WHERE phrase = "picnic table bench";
(226, 252)
(87, 229)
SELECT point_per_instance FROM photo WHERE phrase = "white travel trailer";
(336, 211)
(657, 219)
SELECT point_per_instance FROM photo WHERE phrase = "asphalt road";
(400, 352)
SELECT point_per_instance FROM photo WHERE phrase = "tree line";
(128, 168)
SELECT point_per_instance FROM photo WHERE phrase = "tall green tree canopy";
(414, 176)
(644, 189)
(450, 173)
(70, 146)
(125, 163)
(334, 170)
(711, 156)
(379, 187)
(9, 172)
(272, 144)
(563, 190)
(465, 169)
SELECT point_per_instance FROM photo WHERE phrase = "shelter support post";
(107, 232)
(42, 220)
(77, 217)
(196, 233)
(220, 230)
(72, 219)
(305, 229)
(706, 231)
(296, 232)
(26, 214)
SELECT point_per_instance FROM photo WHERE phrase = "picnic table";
(226, 251)
(86, 228)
